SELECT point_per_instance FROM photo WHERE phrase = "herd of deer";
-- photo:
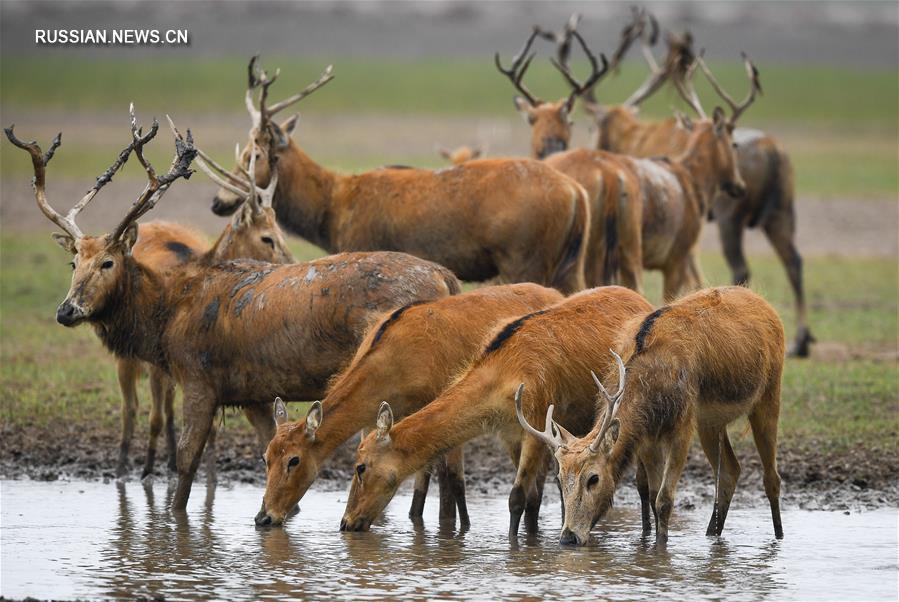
(381, 332)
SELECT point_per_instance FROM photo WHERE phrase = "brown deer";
(548, 350)
(163, 247)
(230, 334)
(697, 364)
(513, 218)
(460, 154)
(769, 202)
(408, 358)
(650, 211)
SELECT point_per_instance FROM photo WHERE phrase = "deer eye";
(593, 480)
(269, 241)
(360, 468)
(106, 264)
(293, 462)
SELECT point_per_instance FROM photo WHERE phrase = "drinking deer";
(547, 350)
(236, 333)
(769, 202)
(407, 358)
(512, 218)
(163, 247)
(697, 364)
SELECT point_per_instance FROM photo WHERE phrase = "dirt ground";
(811, 480)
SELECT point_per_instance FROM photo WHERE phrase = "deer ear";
(65, 241)
(129, 237)
(384, 422)
(280, 412)
(290, 124)
(279, 138)
(313, 419)
(525, 109)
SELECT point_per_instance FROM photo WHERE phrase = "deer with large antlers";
(515, 219)
(165, 247)
(549, 351)
(407, 358)
(766, 169)
(230, 334)
(648, 213)
(695, 365)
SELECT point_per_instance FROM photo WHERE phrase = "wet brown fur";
(699, 364)
(552, 353)
(407, 359)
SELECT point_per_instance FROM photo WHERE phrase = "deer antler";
(520, 65)
(683, 83)
(156, 185)
(613, 402)
(578, 88)
(657, 75)
(755, 87)
(258, 78)
(548, 435)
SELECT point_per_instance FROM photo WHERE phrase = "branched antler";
(578, 88)
(613, 402)
(258, 78)
(755, 87)
(549, 435)
(520, 64)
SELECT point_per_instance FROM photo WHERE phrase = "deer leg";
(198, 413)
(531, 467)
(726, 468)
(676, 458)
(643, 489)
(730, 232)
(694, 270)
(170, 441)
(422, 481)
(780, 233)
(158, 383)
(533, 503)
(128, 373)
(652, 461)
(455, 470)
(674, 277)
(447, 510)
(211, 453)
(763, 421)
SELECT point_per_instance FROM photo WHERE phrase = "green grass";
(821, 95)
(49, 373)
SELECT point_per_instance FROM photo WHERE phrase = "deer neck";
(133, 321)
(698, 162)
(618, 128)
(304, 199)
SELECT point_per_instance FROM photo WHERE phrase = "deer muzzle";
(69, 313)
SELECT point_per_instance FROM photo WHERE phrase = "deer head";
(290, 467)
(375, 478)
(267, 140)
(550, 121)
(99, 261)
(585, 475)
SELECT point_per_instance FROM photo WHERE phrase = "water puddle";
(90, 540)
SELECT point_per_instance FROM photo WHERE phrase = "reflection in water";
(120, 541)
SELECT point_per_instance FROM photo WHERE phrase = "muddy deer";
(647, 213)
(235, 333)
(769, 202)
(695, 365)
(162, 247)
(460, 154)
(547, 350)
(407, 358)
(513, 218)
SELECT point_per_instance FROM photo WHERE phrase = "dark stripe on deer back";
(392, 320)
(181, 250)
(511, 328)
(646, 327)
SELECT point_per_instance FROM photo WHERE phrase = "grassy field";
(838, 124)
(50, 373)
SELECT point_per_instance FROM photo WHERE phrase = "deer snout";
(68, 313)
(551, 146)
(570, 538)
(359, 524)
(224, 204)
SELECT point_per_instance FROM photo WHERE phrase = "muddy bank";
(812, 479)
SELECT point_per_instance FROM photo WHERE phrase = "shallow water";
(94, 540)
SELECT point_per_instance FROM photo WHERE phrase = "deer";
(236, 333)
(547, 350)
(162, 246)
(460, 154)
(695, 365)
(651, 209)
(407, 358)
(515, 219)
(769, 202)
